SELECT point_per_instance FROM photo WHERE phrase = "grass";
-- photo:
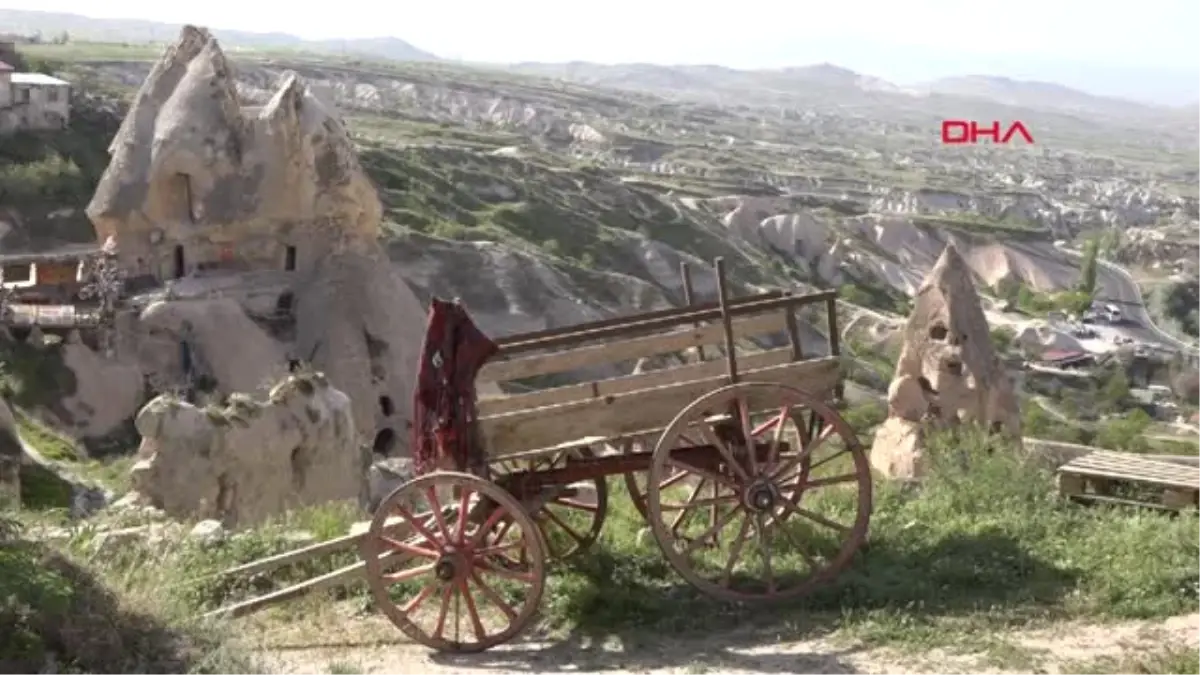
(983, 546)
(91, 606)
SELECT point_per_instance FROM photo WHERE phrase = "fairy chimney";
(948, 372)
(198, 180)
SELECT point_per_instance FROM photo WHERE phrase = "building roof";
(1062, 355)
(38, 79)
(4, 67)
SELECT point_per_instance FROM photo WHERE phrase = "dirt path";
(335, 642)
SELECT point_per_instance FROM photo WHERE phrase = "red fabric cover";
(453, 351)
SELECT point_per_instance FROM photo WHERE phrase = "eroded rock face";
(253, 459)
(948, 372)
(261, 227)
(196, 178)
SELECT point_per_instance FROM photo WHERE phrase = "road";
(1120, 288)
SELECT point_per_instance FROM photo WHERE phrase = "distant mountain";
(1040, 95)
(821, 85)
(50, 24)
(714, 83)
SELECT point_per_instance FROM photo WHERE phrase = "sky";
(899, 40)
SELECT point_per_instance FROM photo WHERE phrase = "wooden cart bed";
(641, 404)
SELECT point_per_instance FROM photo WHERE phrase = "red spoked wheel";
(570, 517)
(442, 568)
(761, 521)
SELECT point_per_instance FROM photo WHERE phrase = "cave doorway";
(385, 441)
(289, 258)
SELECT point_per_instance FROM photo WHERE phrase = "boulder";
(948, 372)
(252, 459)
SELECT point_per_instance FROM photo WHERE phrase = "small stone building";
(32, 101)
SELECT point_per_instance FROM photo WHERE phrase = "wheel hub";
(445, 569)
(761, 496)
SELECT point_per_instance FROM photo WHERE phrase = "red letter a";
(1017, 127)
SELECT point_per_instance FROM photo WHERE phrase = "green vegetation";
(1177, 305)
(586, 217)
(98, 605)
(1087, 267)
(1027, 300)
(984, 545)
(59, 166)
(876, 296)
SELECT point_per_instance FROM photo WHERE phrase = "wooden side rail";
(509, 340)
(501, 405)
(636, 412)
(625, 350)
(638, 326)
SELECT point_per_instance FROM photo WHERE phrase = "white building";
(32, 101)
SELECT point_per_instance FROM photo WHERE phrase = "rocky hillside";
(569, 189)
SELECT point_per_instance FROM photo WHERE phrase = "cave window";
(180, 267)
(18, 272)
(284, 304)
(188, 209)
(385, 441)
(385, 406)
(289, 258)
(938, 332)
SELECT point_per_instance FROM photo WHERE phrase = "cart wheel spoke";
(453, 557)
(584, 503)
(562, 525)
(492, 596)
(476, 623)
(411, 573)
(783, 428)
(435, 506)
(735, 551)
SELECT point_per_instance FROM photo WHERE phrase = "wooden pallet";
(1093, 477)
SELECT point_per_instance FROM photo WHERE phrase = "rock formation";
(257, 229)
(948, 372)
(192, 168)
(254, 458)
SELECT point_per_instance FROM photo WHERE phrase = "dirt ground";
(335, 642)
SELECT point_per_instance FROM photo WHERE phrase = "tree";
(1114, 393)
(1124, 433)
(1087, 268)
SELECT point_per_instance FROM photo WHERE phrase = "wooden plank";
(638, 411)
(1128, 475)
(625, 350)
(1070, 485)
(338, 577)
(1132, 468)
(323, 548)
(1123, 459)
(626, 383)
(530, 336)
(1117, 501)
(1180, 499)
(656, 326)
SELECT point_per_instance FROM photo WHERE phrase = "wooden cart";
(722, 458)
